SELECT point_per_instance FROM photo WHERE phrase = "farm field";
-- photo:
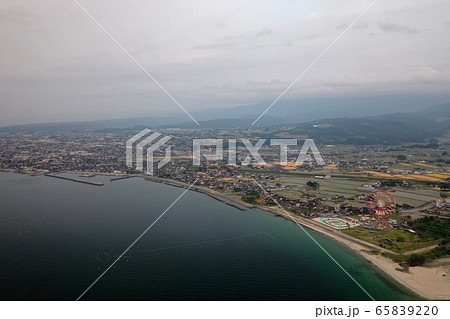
(403, 241)
(348, 187)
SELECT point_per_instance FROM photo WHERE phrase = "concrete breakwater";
(120, 178)
(235, 206)
(214, 197)
(74, 179)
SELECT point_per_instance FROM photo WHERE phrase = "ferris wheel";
(381, 203)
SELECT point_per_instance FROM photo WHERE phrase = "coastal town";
(333, 194)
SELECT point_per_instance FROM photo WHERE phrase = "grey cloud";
(224, 42)
(217, 45)
(264, 83)
(342, 26)
(263, 32)
(233, 37)
(392, 27)
(401, 10)
(360, 25)
(310, 37)
(19, 12)
(219, 24)
(53, 60)
(144, 49)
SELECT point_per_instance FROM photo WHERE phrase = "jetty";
(237, 207)
(214, 197)
(75, 179)
(121, 177)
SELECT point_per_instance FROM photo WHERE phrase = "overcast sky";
(56, 64)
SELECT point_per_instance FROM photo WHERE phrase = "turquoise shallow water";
(58, 236)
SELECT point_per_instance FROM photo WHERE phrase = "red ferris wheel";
(381, 203)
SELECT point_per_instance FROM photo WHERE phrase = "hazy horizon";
(57, 65)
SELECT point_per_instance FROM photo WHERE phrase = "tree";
(401, 157)
(416, 260)
(313, 185)
(250, 197)
(400, 239)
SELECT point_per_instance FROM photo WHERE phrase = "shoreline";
(432, 282)
(425, 282)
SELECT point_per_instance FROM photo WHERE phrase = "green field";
(411, 241)
(348, 188)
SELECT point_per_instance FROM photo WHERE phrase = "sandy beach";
(431, 282)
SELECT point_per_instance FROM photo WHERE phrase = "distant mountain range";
(338, 125)
(284, 112)
(422, 126)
